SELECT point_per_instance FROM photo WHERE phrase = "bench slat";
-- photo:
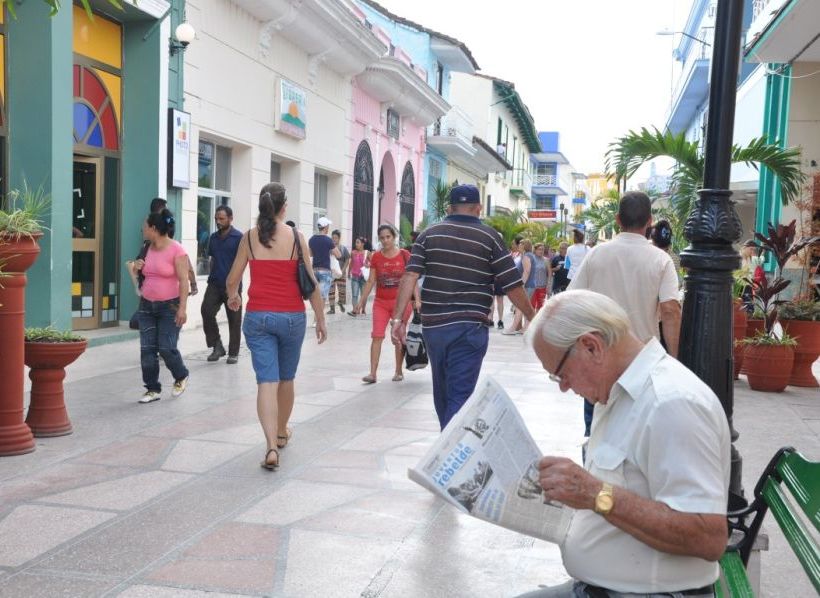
(734, 577)
(795, 531)
(802, 477)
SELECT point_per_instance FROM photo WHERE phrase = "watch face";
(603, 503)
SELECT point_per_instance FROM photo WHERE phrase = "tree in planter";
(800, 318)
(47, 352)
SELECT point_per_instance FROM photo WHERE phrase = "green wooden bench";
(788, 470)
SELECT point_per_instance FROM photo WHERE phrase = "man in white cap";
(321, 248)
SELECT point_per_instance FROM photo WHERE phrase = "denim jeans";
(456, 352)
(324, 278)
(356, 286)
(158, 338)
(275, 341)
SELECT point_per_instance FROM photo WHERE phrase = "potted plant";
(768, 357)
(21, 227)
(47, 352)
(797, 317)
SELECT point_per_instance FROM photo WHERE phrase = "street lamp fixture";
(667, 32)
(184, 34)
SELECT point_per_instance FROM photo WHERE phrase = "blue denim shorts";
(275, 341)
(324, 278)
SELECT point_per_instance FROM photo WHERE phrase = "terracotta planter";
(47, 415)
(768, 367)
(807, 334)
(738, 333)
(752, 328)
(19, 253)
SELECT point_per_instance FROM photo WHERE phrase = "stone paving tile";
(235, 412)
(363, 524)
(347, 564)
(148, 591)
(46, 586)
(382, 439)
(64, 477)
(414, 419)
(122, 494)
(127, 546)
(327, 397)
(139, 451)
(32, 530)
(303, 412)
(255, 576)
(419, 506)
(297, 500)
(396, 467)
(368, 478)
(250, 434)
(196, 456)
(352, 459)
(412, 449)
(420, 402)
(237, 541)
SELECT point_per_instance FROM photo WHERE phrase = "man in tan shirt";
(640, 277)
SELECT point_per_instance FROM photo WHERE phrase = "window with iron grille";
(393, 124)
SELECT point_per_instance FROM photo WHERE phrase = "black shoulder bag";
(306, 283)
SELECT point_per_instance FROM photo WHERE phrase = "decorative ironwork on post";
(712, 227)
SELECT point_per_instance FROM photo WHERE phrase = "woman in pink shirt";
(162, 311)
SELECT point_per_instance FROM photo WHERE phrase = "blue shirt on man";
(320, 247)
(223, 251)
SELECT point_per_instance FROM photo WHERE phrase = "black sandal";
(270, 466)
(282, 441)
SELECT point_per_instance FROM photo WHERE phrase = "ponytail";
(162, 221)
(272, 199)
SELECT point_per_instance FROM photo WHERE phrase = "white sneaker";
(179, 387)
(150, 396)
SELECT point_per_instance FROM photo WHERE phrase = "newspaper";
(485, 464)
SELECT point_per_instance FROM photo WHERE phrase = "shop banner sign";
(292, 102)
(179, 147)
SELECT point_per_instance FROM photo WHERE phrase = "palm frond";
(784, 164)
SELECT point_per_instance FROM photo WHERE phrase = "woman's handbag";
(415, 353)
(335, 268)
(306, 282)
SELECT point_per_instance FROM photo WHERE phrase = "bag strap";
(297, 245)
(250, 247)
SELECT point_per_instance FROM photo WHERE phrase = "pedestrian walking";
(461, 259)
(387, 266)
(527, 261)
(338, 290)
(157, 205)
(576, 253)
(163, 305)
(559, 270)
(540, 276)
(222, 247)
(275, 320)
(359, 258)
(639, 277)
(321, 248)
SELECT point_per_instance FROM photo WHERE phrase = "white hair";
(567, 316)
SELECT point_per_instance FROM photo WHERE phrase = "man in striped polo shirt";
(461, 259)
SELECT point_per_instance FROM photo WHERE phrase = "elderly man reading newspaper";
(650, 504)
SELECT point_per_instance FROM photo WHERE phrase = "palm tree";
(601, 215)
(441, 199)
(628, 153)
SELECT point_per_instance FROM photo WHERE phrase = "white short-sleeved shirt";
(662, 435)
(576, 254)
(635, 274)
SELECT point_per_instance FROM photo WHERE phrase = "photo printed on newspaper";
(485, 464)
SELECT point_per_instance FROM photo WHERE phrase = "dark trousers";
(158, 336)
(456, 352)
(215, 297)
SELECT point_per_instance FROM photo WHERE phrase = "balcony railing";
(758, 6)
(521, 179)
(456, 124)
(546, 180)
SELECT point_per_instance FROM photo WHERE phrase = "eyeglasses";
(556, 377)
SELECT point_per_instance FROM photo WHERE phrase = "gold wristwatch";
(604, 501)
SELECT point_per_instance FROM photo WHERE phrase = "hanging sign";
(179, 149)
(292, 102)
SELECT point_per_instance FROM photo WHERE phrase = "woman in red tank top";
(274, 324)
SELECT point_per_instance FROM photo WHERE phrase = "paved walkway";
(168, 499)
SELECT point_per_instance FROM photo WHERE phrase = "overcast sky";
(590, 69)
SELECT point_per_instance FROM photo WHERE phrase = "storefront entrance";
(86, 244)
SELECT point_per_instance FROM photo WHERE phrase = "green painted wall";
(39, 106)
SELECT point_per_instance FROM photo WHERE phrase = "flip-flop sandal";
(270, 466)
(398, 378)
(282, 441)
(369, 379)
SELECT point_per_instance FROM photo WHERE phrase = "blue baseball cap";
(464, 194)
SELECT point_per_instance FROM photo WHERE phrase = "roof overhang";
(520, 113)
(790, 36)
(392, 82)
(453, 55)
(548, 190)
(550, 157)
(482, 161)
(693, 93)
(326, 30)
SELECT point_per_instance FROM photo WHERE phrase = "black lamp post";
(712, 227)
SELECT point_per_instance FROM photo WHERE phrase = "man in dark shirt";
(559, 272)
(222, 248)
(321, 248)
(338, 288)
(461, 260)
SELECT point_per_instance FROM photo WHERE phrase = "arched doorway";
(363, 192)
(387, 191)
(407, 199)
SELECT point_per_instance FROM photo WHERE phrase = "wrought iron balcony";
(547, 180)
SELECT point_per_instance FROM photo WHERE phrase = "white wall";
(749, 108)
